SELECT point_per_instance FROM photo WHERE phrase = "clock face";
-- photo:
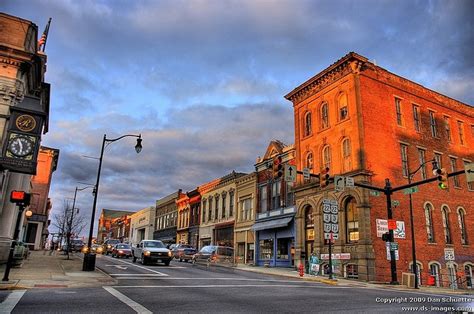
(20, 146)
(25, 123)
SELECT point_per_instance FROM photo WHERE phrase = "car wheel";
(167, 263)
(134, 259)
(143, 260)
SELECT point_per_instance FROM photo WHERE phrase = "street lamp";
(89, 258)
(72, 217)
(413, 248)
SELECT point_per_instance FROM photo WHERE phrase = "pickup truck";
(151, 251)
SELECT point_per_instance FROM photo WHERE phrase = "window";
(309, 224)
(437, 158)
(447, 128)
(422, 159)
(352, 221)
(452, 162)
(224, 196)
(416, 117)
(343, 112)
(469, 274)
(452, 271)
(216, 209)
(327, 156)
(324, 116)
(346, 155)
(231, 203)
(435, 272)
(470, 185)
(462, 225)
(266, 249)
(290, 194)
(446, 227)
(418, 271)
(404, 155)
(309, 160)
(461, 132)
(429, 223)
(352, 271)
(263, 199)
(246, 209)
(307, 124)
(204, 210)
(276, 188)
(434, 131)
(209, 215)
(283, 248)
(398, 108)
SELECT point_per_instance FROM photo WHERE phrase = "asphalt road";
(184, 288)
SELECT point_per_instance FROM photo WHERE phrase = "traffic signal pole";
(14, 241)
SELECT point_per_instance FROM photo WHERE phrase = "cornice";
(350, 63)
(11, 89)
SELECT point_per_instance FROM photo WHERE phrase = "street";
(182, 287)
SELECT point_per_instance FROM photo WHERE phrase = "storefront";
(167, 236)
(205, 236)
(244, 246)
(224, 234)
(275, 241)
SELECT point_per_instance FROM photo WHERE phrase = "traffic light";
(277, 167)
(324, 177)
(20, 198)
(442, 177)
(386, 237)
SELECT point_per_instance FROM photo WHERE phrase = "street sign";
(392, 224)
(306, 173)
(393, 246)
(374, 193)
(449, 254)
(290, 173)
(330, 219)
(469, 169)
(349, 182)
(410, 190)
(339, 183)
(395, 203)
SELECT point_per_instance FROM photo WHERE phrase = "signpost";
(306, 173)
(339, 183)
(469, 169)
(330, 226)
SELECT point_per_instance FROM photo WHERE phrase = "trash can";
(89, 262)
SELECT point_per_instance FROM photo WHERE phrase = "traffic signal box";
(20, 198)
(324, 177)
(277, 168)
(442, 177)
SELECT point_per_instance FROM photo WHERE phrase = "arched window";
(309, 160)
(352, 271)
(447, 229)
(324, 116)
(352, 221)
(307, 124)
(346, 155)
(429, 223)
(327, 157)
(462, 225)
(309, 230)
(435, 272)
(419, 270)
(468, 272)
(343, 112)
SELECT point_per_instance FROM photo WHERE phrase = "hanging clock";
(20, 146)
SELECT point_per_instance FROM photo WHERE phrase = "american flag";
(44, 37)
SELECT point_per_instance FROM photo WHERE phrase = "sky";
(204, 81)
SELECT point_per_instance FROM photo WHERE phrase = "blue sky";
(203, 81)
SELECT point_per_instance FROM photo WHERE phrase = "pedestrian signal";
(20, 198)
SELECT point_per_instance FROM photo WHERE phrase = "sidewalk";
(42, 270)
(292, 273)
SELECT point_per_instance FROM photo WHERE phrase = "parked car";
(214, 255)
(122, 250)
(77, 245)
(151, 251)
(109, 245)
(96, 248)
(186, 253)
(176, 248)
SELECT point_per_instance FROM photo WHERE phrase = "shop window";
(283, 248)
(266, 249)
(352, 221)
(352, 271)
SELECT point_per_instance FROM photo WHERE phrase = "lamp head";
(28, 213)
(138, 147)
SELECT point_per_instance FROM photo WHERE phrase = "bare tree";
(69, 223)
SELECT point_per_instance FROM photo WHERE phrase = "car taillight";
(214, 256)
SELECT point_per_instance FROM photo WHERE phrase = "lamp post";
(69, 233)
(89, 258)
(412, 228)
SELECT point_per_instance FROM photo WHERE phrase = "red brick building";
(114, 224)
(369, 124)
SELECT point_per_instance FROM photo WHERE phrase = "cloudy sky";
(203, 81)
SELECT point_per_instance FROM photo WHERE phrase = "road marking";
(139, 275)
(207, 278)
(118, 266)
(238, 286)
(11, 301)
(123, 298)
(153, 271)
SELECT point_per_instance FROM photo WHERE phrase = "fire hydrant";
(301, 269)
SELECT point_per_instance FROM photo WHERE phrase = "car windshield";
(208, 249)
(123, 246)
(157, 244)
(76, 242)
(113, 241)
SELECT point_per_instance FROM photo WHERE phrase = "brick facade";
(355, 122)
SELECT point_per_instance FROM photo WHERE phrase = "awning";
(271, 224)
